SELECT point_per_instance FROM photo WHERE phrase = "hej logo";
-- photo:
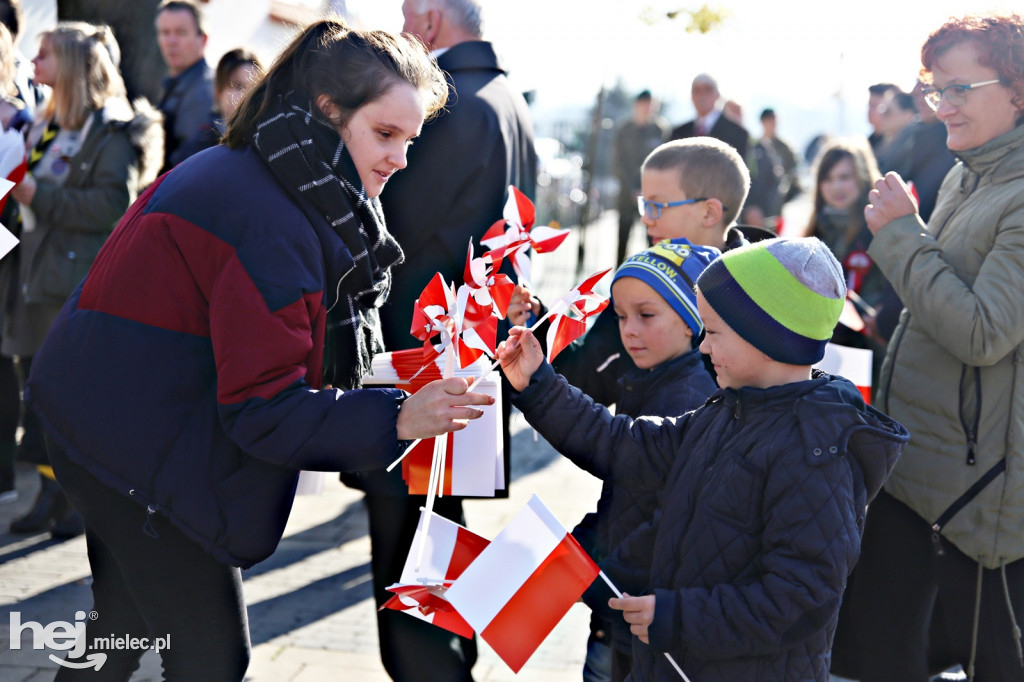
(59, 635)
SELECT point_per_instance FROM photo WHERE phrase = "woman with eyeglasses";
(941, 576)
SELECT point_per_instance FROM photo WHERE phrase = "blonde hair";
(707, 168)
(87, 57)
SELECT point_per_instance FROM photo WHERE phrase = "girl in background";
(90, 152)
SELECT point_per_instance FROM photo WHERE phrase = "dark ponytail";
(350, 66)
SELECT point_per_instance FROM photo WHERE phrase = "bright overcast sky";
(795, 55)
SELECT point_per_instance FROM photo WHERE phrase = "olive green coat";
(952, 374)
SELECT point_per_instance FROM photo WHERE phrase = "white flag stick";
(865, 306)
(667, 654)
(435, 482)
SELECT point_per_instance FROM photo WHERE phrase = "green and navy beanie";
(671, 268)
(783, 296)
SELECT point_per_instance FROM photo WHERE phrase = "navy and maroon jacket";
(183, 370)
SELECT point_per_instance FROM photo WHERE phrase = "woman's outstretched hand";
(889, 200)
(439, 407)
(520, 356)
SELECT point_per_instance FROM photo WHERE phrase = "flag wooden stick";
(667, 654)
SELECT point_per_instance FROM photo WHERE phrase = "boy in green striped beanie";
(783, 298)
(762, 489)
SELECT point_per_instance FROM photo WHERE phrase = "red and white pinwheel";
(433, 314)
(481, 301)
(570, 312)
(515, 233)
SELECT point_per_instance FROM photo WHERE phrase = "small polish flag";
(449, 548)
(523, 583)
(852, 363)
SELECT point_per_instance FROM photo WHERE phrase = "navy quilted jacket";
(762, 510)
(670, 389)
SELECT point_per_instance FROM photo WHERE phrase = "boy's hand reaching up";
(521, 305)
(520, 357)
(637, 611)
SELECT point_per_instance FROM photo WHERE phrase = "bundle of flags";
(475, 465)
(461, 327)
(512, 591)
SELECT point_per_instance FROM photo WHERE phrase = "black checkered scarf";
(306, 153)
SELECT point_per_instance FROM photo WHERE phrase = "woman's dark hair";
(866, 169)
(999, 40)
(352, 67)
(230, 61)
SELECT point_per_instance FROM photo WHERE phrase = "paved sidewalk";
(310, 604)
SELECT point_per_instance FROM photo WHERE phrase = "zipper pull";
(972, 444)
(937, 540)
(147, 527)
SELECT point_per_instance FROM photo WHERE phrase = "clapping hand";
(889, 200)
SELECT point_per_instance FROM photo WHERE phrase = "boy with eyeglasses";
(693, 188)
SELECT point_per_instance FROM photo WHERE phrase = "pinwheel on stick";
(570, 313)
(516, 234)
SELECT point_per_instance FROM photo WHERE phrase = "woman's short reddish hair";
(999, 40)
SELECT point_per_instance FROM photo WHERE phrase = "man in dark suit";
(710, 121)
(453, 189)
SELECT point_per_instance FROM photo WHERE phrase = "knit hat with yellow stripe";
(783, 296)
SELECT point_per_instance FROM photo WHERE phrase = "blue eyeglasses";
(653, 209)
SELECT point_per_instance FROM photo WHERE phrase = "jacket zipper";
(971, 429)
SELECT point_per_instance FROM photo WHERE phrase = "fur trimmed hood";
(144, 124)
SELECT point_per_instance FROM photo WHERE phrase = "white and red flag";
(570, 313)
(522, 584)
(448, 549)
(852, 363)
(515, 234)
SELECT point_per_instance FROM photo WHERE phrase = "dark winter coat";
(764, 493)
(119, 157)
(183, 371)
(670, 389)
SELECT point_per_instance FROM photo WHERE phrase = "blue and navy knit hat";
(671, 268)
(783, 296)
